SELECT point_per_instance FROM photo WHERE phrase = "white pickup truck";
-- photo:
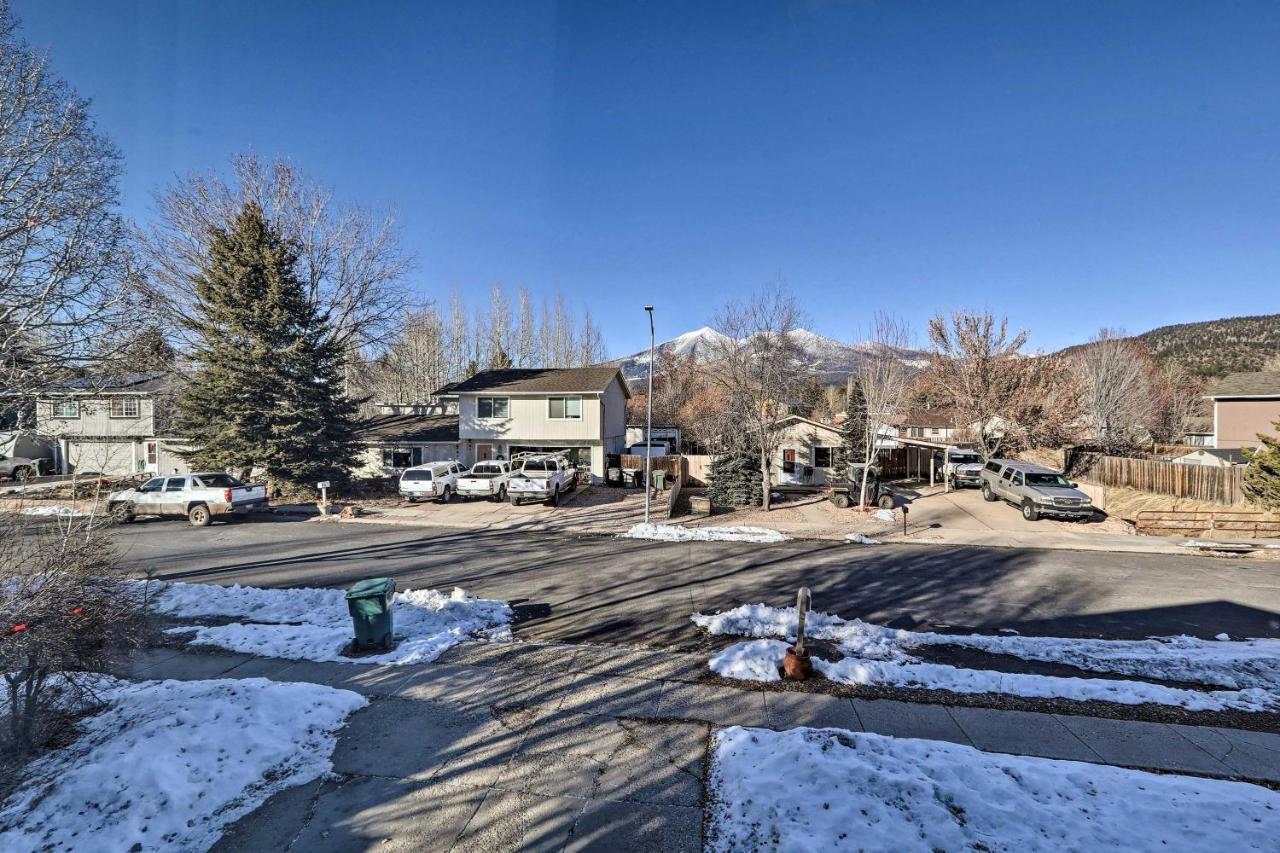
(199, 497)
(543, 477)
(962, 467)
(486, 480)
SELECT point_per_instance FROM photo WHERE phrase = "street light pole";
(648, 430)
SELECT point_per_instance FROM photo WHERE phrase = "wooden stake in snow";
(796, 664)
(802, 607)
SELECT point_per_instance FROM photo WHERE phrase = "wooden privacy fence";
(1249, 525)
(1198, 482)
(670, 464)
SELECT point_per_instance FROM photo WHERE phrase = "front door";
(484, 452)
(153, 458)
(789, 473)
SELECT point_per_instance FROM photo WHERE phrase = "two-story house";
(1244, 405)
(580, 411)
(109, 426)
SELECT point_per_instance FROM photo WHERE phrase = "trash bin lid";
(370, 587)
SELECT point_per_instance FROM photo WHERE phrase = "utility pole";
(648, 430)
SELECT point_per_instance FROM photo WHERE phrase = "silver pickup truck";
(200, 497)
(1035, 489)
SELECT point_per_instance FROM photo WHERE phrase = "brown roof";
(930, 418)
(1261, 383)
(569, 380)
(409, 428)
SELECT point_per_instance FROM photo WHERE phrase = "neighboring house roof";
(569, 380)
(1233, 456)
(1260, 383)
(933, 418)
(135, 383)
(409, 428)
(808, 421)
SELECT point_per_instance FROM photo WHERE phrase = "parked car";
(19, 468)
(845, 494)
(961, 467)
(541, 476)
(437, 481)
(1037, 490)
(486, 480)
(200, 497)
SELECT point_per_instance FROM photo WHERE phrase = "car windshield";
(218, 481)
(964, 458)
(416, 475)
(1055, 480)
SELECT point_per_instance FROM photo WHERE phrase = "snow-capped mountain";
(830, 359)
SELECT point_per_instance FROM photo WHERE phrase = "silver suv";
(1036, 489)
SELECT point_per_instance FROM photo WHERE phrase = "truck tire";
(122, 513)
(554, 500)
(502, 494)
(22, 473)
(1029, 511)
(885, 502)
(199, 516)
(412, 500)
(445, 495)
(515, 500)
(987, 494)
(841, 501)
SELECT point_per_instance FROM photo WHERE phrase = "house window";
(824, 457)
(934, 431)
(66, 409)
(493, 407)
(401, 457)
(124, 407)
(564, 408)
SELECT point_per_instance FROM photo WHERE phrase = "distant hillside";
(1213, 348)
(1217, 347)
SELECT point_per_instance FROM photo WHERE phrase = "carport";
(913, 457)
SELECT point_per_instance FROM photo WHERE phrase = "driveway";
(589, 509)
(607, 590)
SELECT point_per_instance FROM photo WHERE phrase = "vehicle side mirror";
(1074, 485)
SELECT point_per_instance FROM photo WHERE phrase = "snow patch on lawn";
(1248, 669)
(169, 764)
(829, 789)
(754, 660)
(675, 533)
(884, 515)
(314, 624)
(57, 510)
(861, 539)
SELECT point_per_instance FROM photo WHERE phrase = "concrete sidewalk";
(531, 746)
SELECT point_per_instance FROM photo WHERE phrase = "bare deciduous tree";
(526, 335)
(350, 257)
(885, 380)
(65, 287)
(977, 371)
(1114, 389)
(756, 364)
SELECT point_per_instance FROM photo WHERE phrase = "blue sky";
(1071, 164)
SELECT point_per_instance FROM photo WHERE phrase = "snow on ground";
(675, 533)
(861, 539)
(884, 515)
(314, 624)
(754, 660)
(168, 764)
(1249, 669)
(56, 510)
(829, 789)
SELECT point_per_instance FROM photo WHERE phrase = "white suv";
(432, 481)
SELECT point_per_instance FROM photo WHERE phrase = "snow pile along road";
(675, 533)
(169, 764)
(58, 510)
(1246, 672)
(314, 624)
(829, 789)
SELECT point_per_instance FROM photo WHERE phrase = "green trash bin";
(369, 602)
(660, 480)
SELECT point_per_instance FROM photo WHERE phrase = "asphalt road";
(599, 589)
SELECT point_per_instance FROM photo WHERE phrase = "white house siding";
(95, 420)
(371, 460)
(803, 437)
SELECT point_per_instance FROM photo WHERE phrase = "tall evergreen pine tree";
(853, 445)
(1262, 477)
(734, 479)
(268, 392)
